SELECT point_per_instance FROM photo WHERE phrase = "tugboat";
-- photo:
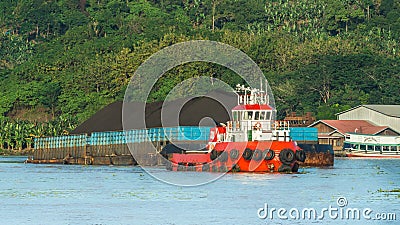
(252, 142)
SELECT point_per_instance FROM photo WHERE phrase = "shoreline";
(25, 152)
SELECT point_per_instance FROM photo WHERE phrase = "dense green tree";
(63, 60)
(342, 14)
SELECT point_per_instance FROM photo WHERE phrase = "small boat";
(372, 146)
(252, 142)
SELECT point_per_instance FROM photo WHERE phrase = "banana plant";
(8, 139)
(2, 124)
(18, 135)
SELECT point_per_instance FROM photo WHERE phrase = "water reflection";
(74, 194)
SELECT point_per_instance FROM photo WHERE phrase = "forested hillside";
(62, 60)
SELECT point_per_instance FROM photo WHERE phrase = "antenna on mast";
(266, 92)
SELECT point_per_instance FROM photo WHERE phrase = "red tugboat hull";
(253, 156)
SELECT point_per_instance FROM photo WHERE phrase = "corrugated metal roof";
(389, 110)
(353, 126)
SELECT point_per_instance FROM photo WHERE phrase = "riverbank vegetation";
(69, 58)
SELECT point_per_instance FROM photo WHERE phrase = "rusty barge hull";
(111, 148)
(119, 155)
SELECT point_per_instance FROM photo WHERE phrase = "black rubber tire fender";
(300, 155)
(223, 169)
(214, 168)
(235, 168)
(213, 155)
(295, 167)
(247, 154)
(284, 169)
(168, 165)
(205, 167)
(257, 155)
(234, 154)
(223, 157)
(181, 167)
(269, 154)
(191, 167)
(286, 156)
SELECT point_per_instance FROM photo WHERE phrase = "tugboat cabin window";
(251, 115)
(268, 117)
(393, 148)
(262, 115)
(363, 147)
(248, 115)
(370, 147)
(256, 115)
(239, 115)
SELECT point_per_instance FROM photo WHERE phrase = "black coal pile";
(215, 105)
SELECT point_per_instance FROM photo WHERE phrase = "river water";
(74, 194)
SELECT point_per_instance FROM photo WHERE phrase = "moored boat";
(252, 142)
(372, 146)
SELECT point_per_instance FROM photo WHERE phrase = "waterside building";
(380, 115)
